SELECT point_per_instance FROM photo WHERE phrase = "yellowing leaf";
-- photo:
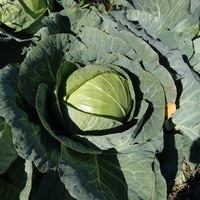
(170, 109)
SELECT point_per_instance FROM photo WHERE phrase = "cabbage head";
(98, 91)
(22, 15)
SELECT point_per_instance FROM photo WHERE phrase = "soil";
(190, 188)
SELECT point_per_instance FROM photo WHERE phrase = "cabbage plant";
(79, 115)
(96, 109)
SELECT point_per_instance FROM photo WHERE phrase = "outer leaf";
(160, 190)
(7, 150)
(125, 24)
(167, 20)
(102, 42)
(14, 181)
(194, 4)
(195, 60)
(153, 92)
(52, 188)
(54, 23)
(63, 73)
(31, 141)
(62, 22)
(187, 117)
(82, 19)
(92, 176)
(158, 15)
(90, 55)
(139, 175)
(24, 195)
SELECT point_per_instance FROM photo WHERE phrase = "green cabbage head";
(97, 92)
(20, 15)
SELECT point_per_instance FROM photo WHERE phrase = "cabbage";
(98, 93)
(20, 15)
